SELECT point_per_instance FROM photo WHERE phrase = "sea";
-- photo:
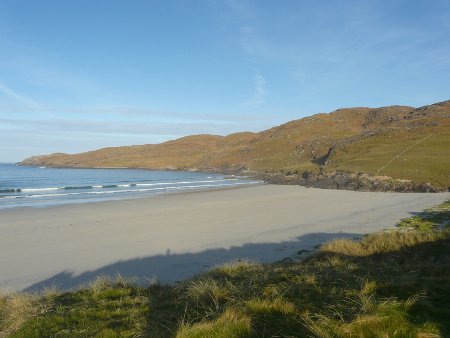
(41, 187)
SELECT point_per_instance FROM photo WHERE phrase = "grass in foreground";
(390, 284)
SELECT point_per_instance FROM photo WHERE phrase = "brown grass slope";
(397, 141)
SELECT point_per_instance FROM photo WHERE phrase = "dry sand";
(173, 237)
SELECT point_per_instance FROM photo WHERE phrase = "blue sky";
(80, 75)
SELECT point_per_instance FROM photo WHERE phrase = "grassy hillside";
(389, 284)
(397, 141)
(420, 156)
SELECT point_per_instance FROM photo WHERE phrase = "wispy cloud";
(242, 8)
(245, 18)
(9, 92)
(148, 113)
(22, 108)
(46, 73)
(259, 91)
(17, 98)
(84, 127)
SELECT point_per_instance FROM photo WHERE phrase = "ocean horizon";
(23, 186)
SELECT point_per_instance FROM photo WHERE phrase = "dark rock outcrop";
(346, 180)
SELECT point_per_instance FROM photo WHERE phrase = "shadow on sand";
(170, 268)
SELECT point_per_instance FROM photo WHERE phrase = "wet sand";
(173, 237)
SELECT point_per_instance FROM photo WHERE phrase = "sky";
(81, 75)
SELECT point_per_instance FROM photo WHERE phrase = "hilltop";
(398, 148)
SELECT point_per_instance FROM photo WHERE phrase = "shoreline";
(337, 179)
(136, 197)
(176, 236)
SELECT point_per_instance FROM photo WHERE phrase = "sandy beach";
(173, 237)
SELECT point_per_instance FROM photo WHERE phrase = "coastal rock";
(347, 180)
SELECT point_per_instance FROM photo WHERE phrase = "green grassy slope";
(389, 284)
(397, 141)
(421, 156)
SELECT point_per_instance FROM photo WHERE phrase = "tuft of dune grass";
(102, 283)
(107, 307)
(387, 318)
(232, 323)
(20, 307)
(208, 292)
(378, 243)
(237, 268)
